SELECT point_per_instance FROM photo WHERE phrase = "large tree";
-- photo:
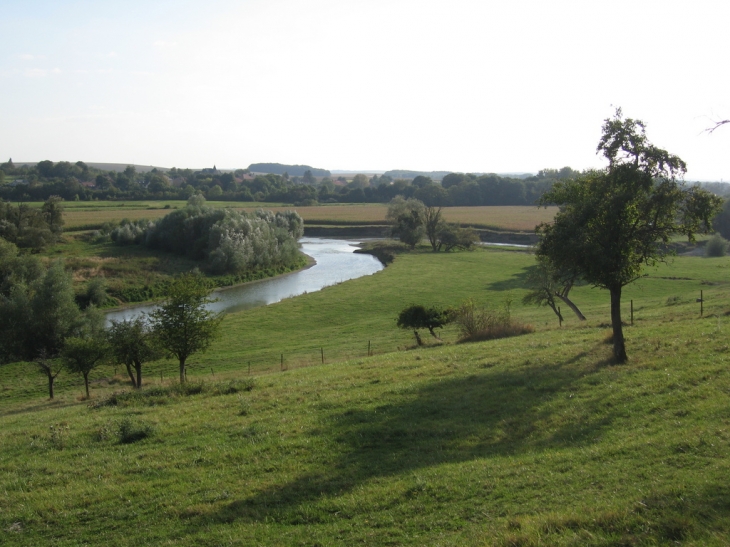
(614, 222)
(182, 324)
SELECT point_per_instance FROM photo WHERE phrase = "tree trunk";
(51, 377)
(573, 307)
(182, 371)
(418, 338)
(619, 348)
(138, 368)
(86, 384)
(131, 375)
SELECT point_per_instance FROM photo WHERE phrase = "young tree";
(614, 222)
(181, 324)
(433, 222)
(132, 344)
(546, 284)
(83, 355)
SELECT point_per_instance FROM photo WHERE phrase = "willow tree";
(614, 222)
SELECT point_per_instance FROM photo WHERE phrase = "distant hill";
(406, 174)
(118, 167)
(438, 175)
(291, 170)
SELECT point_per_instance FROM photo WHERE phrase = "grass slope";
(534, 440)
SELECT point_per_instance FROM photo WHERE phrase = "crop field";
(91, 215)
(534, 440)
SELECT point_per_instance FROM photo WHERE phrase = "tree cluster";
(228, 241)
(41, 323)
(411, 220)
(31, 227)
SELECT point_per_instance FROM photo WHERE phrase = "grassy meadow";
(534, 440)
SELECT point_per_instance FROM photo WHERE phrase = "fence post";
(249, 368)
(702, 304)
(369, 352)
(560, 318)
(322, 351)
(632, 313)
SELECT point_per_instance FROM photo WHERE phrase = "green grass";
(532, 440)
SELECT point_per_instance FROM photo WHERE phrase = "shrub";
(130, 432)
(716, 246)
(477, 323)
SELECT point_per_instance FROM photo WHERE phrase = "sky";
(453, 85)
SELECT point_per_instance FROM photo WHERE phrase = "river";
(335, 262)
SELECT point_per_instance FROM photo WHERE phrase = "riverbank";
(329, 262)
(383, 232)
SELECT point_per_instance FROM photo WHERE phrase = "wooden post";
(632, 313)
(369, 353)
(702, 304)
(211, 372)
(322, 351)
(249, 368)
(282, 361)
(560, 317)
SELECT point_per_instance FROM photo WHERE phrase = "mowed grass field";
(90, 215)
(533, 440)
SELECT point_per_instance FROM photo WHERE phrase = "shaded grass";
(533, 440)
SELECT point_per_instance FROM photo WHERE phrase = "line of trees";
(41, 323)
(411, 220)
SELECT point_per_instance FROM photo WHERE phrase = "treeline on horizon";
(79, 181)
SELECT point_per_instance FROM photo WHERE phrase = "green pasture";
(532, 440)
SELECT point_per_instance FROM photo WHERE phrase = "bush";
(716, 246)
(514, 328)
(131, 432)
(477, 323)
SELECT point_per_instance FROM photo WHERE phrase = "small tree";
(716, 246)
(546, 284)
(83, 355)
(419, 317)
(181, 324)
(132, 344)
(451, 236)
(433, 223)
(407, 218)
(614, 222)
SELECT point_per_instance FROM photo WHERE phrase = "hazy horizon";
(476, 86)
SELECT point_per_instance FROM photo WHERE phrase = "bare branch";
(717, 124)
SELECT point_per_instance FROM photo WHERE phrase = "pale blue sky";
(412, 84)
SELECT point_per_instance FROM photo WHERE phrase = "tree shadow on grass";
(448, 421)
(518, 280)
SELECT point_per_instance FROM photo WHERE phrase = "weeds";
(160, 395)
(130, 432)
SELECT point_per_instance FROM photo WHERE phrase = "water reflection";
(336, 262)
